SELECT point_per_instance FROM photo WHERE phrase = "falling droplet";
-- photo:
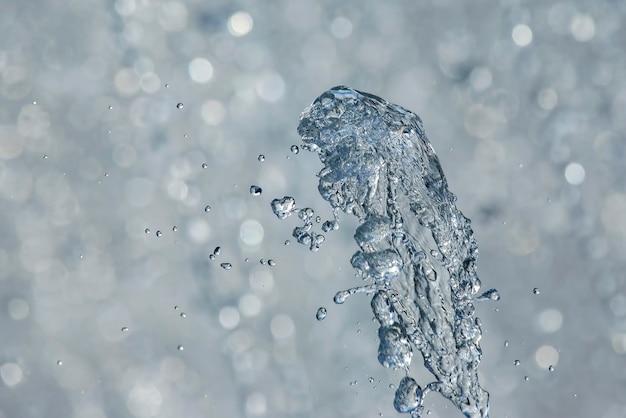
(174, 228)
(45, 156)
(263, 261)
(59, 363)
(516, 362)
(124, 329)
(295, 149)
(207, 209)
(180, 348)
(287, 242)
(536, 291)
(226, 266)
(506, 343)
(176, 307)
(550, 368)
(183, 315)
(205, 165)
(180, 106)
(271, 262)
(147, 231)
(167, 86)
(217, 250)
(255, 190)
(341, 296)
(211, 256)
(526, 378)
(159, 233)
(321, 313)
(110, 107)
(261, 157)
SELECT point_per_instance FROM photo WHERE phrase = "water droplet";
(207, 209)
(110, 107)
(185, 136)
(261, 157)
(536, 291)
(272, 263)
(174, 228)
(255, 190)
(526, 378)
(287, 242)
(45, 156)
(180, 348)
(370, 379)
(147, 231)
(205, 165)
(354, 382)
(550, 368)
(124, 329)
(516, 362)
(295, 149)
(59, 363)
(318, 219)
(506, 343)
(167, 86)
(180, 106)
(159, 233)
(211, 256)
(106, 174)
(321, 313)
(217, 250)
(183, 315)
(246, 259)
(176, 307)
(341, 296)
(226, 266)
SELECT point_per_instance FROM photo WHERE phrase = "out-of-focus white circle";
(172, 368)
(270, 87)
(229, 317)
(256, 404)
(481, 78)
(11, 374)
(18, 309)
(213, 112)
(144, 400)
(150, 82)
(200, 70)
(575, 174)
(522, 35)
(547, 99)
(550, 320)
(262, 281)
(177, 189)
(199, 231)
(251, 232)
(250, 305)
(240, 24)
(546, 356)
(341, 27)
(282, 327)
(583, 28)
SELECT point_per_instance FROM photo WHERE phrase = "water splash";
(417, 251)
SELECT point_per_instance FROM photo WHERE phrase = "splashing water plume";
(417, 251)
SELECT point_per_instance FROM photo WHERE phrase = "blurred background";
(131, 132)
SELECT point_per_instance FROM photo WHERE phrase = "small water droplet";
(159, 233)
(526, 378)
(205, 165)
(59, 363)
(392, 386)
(180, 106)
(536, 291)
(341, 296)
(211, 256)
(110, 107)
(180, 348)
(174, 228)
(321, 313)
(106, 174)
(124, 329)
(183, 315)
(226, 266)
(217, 250)
(506, 343)
(246, 259)
(354, 382)
(207, 209)
(295, 149)
(516, 362)
(550, 368)
(45, 156)
(34, 102)
(271, 262)
(185, 136)
(261, 157)
(167, 86)
(287, 242)
(176, 307)
(147, 231)
(371, 379)
(255, 190)
(263, 261)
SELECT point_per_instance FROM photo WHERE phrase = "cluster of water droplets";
(417, 253)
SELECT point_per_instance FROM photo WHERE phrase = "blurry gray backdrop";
(132, 130)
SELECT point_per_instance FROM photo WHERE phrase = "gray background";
(94, 151)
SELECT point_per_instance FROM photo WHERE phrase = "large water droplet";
(255, 190)
(226, 266)
(180, 106)
(408, 395)
(321, 313)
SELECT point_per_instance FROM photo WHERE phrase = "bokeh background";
(122, 121)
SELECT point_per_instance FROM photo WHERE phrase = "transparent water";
(417, 252)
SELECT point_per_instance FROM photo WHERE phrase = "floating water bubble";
(226, 266)
(255, 190)
(180, 106)
(417, 251)
(321, 313)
